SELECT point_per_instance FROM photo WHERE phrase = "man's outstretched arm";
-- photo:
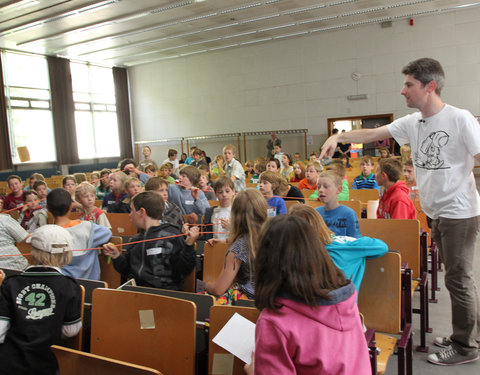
(354, 136)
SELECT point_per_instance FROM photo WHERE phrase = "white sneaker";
(442, 342)
(451, 357)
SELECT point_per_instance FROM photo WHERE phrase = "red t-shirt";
(12, 202)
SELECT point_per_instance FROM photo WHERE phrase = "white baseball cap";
(52, 239)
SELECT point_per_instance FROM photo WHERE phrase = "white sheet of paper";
(237, 337)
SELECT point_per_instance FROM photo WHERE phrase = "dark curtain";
(123, 112)
(63, 110)
(5, 151)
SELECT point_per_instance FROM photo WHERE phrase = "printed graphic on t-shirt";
(430, 155)
(37, 300)
(338, 222)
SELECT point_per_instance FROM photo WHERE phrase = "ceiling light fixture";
(172, 6)
(260, 18)
(17, 6)
(240, 8)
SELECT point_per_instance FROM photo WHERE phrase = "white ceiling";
(131, 32)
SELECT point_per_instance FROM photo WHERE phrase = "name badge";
(271, 212)
(155, 251)
(189, 202)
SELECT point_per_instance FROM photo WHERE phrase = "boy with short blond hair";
(367, 179)
(340, 219)
(165, 172)
(85, 194)
(337, 167)
(394, 202)
(233, 168)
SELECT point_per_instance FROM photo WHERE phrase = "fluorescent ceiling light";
(240, 8)
(17, 6)
(291, 35)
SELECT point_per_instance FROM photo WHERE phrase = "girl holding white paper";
(309, 321)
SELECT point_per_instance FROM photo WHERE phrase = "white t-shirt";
(220, 213)
(174, 162)
(234, 168)
(443, 149)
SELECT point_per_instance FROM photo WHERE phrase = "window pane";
(29, 93)
(82, 107)
(20, 103)
(106, 134)
(80, 80)
(27, 71)
(101, 80)
(79, 97)
(39, 104)
(107, 99)
(99, 107)
(97, 129)
(34, 129)
(85, 139)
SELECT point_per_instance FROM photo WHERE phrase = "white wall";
(299, 83)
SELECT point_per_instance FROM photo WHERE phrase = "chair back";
(379, 299)
(121, 225)
(219, 316)
(364, 195)
(143, 328)
(76, 362)
(203, 301)
(214, 260)
(402, 235)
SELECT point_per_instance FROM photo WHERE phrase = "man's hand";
(328, 148)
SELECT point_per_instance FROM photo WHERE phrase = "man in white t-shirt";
(444, 141)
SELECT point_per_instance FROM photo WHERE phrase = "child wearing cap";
(85, 235)
(39, 306)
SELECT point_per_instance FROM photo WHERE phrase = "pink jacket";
(396, 204)
(327, 339)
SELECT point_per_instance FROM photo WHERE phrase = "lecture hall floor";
(440, 322)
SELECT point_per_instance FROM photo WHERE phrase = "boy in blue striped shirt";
(367, 179)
